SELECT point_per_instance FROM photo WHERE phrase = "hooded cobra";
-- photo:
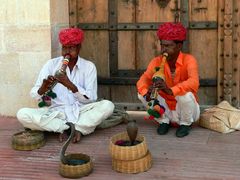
(64, 159)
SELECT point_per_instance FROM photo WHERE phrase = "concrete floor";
(203, 155)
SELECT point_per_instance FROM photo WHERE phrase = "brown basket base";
(76, 171)
(133, 166)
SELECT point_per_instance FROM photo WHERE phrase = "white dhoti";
(187, 110)
(46, 119)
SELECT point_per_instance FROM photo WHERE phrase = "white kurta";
(68, 106)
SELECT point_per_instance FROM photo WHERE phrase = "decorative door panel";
(120, 38)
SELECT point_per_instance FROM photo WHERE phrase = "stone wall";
(28, 38)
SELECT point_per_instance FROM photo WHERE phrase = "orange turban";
(172, 31)
(71, 36)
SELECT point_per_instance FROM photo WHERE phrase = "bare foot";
(76, 137)
(62, 136)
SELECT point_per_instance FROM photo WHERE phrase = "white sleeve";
(90, 86)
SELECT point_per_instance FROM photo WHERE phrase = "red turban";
(172, 31)
(71, 36)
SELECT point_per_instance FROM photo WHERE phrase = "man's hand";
(148, 94)
(64, 80)
(46, 85)
(161, 85)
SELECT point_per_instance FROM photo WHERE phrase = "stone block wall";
(28, 38)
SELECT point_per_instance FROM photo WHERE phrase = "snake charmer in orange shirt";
(178, 93)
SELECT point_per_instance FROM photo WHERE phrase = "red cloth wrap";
(71, 36)
(172, 31)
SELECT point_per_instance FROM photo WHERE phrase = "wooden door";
(120, 38)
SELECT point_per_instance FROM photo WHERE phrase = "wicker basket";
(221, 118)
(28, 140)
(133, 166)
(209, 121)
(127, 152)
(76, 171)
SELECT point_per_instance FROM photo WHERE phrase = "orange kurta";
(186, 78)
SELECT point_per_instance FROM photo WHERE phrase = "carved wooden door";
(120, 38)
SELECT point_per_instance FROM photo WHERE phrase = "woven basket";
(127, 152)
(209, 121)
(222, 118)
(133, 166)
(77, 171)
(28, 140)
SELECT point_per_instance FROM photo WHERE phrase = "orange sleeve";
(191, 84)
(146, 78)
